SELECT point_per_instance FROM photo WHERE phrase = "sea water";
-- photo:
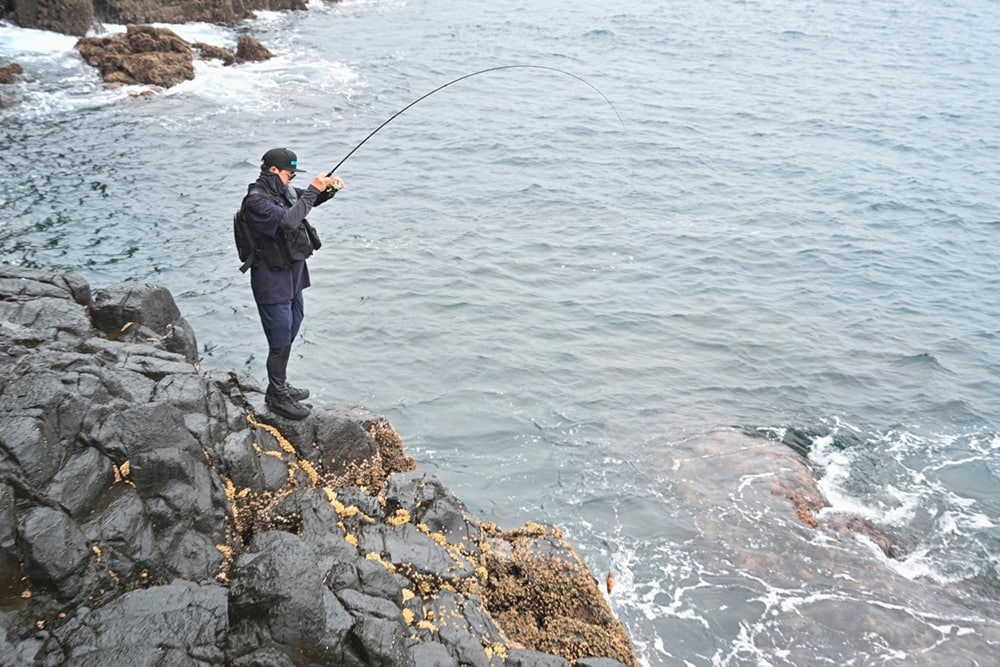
(792, 232)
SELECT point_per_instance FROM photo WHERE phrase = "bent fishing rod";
(462, 78)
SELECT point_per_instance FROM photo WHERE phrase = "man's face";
(285, 175)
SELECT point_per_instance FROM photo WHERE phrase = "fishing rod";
(462, 78)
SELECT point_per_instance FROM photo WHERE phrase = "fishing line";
(467, 76)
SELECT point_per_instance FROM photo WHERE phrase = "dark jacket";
(270, 206)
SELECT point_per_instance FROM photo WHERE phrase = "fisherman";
(276, 213)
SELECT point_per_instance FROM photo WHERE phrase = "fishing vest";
(286, 248)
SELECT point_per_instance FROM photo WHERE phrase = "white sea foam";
(19, 43)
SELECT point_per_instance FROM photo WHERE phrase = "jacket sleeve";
(266, 217)
(325, 196)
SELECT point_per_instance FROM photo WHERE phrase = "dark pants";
(281, 323)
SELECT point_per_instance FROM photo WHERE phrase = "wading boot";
(285, 406)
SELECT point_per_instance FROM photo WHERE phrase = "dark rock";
(315, 521)
(430, 503)
(74, 17)
(521, 658)
(249, 49)
(123, 306)
(174, 11)
(241, 463)
(31, 322)
(10, 73)
(376, 580)
(183, 618)
(277, 592)
(71, 17)
(10, 565)
(433, 654)
(360, 605)
(205, 533)
(597, 662)
(406, 545)
(383, 642)
(368, 505)
(121, 534)
(28, 442)
(55, 552)
(462, 626)
(22, 284)
(341, 439)
(82, 480)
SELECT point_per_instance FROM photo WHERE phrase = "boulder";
(143, 312)
(249, 49)
(210, 52)
(142, 55)
(10, 73)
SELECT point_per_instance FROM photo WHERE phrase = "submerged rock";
(10, 73)
(154, 511)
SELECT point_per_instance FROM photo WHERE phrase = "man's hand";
(322, 183)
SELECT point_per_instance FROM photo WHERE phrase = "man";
(283, 239)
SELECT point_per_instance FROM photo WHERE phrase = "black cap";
(282, 158)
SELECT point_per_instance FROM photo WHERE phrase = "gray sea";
(792, 232)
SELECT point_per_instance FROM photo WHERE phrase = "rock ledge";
(155, 513)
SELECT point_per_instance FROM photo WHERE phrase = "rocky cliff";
(75, 17)
(154, 513)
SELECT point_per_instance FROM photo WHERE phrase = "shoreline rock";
(154, 510)
(76, 17)
(145, 54)
(11, 73)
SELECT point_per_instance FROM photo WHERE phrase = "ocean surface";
(793, 232)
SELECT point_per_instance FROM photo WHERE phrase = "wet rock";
(55, 551)
(182, 619)
(597, 662)
(82, 480)
(343, 439)
(175, 11)
(461, 625)
(75, 17)
(383, 642)
(433, 654)
(522, 658)
(428, 502)
(540, 591)
(154, 512)
(420, 553)
(140, 311)
(248, 49)
(10, 73)
(210, 52)
(70, 17)
(143, 55)
(278, 599)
